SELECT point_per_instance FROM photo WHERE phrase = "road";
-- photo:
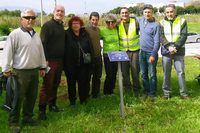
(191, 49)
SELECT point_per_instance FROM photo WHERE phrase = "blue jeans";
(149, 88)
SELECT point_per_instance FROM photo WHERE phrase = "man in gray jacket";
(25, 51)
(173, 34)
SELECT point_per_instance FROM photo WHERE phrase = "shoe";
(186, 97)
(42, 115)
(14, 129)
(54, 108)
(152, 98)
(144, 96)
(165, 97)
(31, 122)
(112, 95)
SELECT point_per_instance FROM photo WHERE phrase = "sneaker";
(152, 98)
(31, 122)
(42, 115)
(144, 96)
(165, 97)
(112, 95)
(54, 108)
(186, 97)
(14, 129)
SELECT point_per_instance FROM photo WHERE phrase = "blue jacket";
(149, 36)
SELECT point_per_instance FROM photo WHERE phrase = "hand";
(171, 53)
(151, 59)
(47, 63)
(42, 73)
(197, 56)
(7, 74)
(172, 49)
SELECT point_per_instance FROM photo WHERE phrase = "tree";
(190, 9)
(70, 15)
(4, 29)
(180, 10)
(162, 9)
(155, 10)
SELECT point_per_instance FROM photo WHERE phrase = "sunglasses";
(29, 17)
(108, 22)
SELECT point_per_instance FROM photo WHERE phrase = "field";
(103, 114)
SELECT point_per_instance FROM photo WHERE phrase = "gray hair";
(25, 11)
(111, 16)
(171, 5)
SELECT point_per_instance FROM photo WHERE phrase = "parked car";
(193, 37)
(2, 41)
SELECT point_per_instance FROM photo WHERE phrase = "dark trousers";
(133, 64)
(78, 76)
(28, 88)
(111, 72)
(48, 92)
(96, 71)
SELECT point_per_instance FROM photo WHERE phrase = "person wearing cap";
(173, 34)
(96, 68)
(149, 46)
(24, 49)
(128, 30)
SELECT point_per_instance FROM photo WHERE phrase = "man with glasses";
(129, 41)
(53, 39)
(24, 49)
(173, 34)
(149, 46)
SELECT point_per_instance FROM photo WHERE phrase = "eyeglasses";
(29, 17)
(108, 22)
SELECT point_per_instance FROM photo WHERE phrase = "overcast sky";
(79, 6)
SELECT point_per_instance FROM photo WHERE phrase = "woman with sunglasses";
(77, 41)
(110, 43)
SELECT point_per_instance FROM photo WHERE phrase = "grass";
(104, 115)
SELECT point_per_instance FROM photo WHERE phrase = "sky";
(78, 6)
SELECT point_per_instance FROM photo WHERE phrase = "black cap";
(148, 6)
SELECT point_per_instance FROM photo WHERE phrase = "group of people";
(60, 49)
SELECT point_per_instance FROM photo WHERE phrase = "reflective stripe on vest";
(172, 34)
(130, 41)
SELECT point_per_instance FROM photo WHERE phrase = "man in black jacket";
(173, 34)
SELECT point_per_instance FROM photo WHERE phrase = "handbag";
(86, 56)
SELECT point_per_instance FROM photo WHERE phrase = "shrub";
(4, 29)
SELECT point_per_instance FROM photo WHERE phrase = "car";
(2, 41)
(193, 37)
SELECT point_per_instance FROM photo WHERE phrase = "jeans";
(150, 88)
(111, 72)
(167, 68)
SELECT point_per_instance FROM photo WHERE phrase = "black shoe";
(54, 108)
(42, 115)
(31, 122)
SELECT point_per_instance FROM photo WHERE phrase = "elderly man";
(24, 48)
(128, 30)
(149, 46)
(173, 34)
(96, 69)
(53, 39)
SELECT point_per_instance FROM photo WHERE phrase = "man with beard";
(24, 48)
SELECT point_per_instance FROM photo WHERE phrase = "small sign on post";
(119, 56)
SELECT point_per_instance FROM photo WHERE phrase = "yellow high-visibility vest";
(172, 33)
(130, 41)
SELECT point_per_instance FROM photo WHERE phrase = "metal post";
(41, 14)
(121, 90)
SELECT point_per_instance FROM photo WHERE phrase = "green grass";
(104, 115)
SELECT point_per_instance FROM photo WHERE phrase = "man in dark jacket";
(173, 34)
(53, 39)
